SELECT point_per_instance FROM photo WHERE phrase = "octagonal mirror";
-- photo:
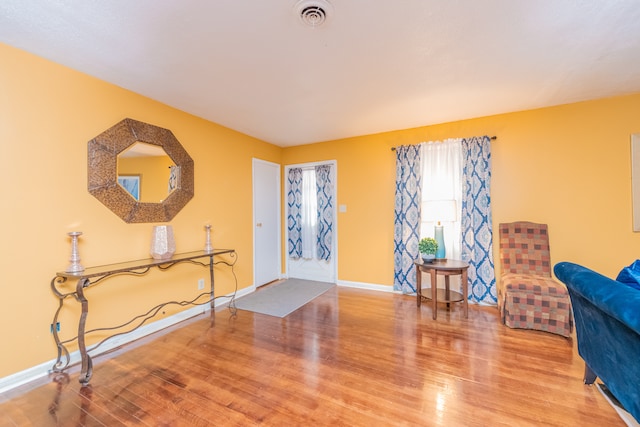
(147, 173)
(140, 171)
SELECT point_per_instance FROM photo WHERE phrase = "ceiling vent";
(313, 13)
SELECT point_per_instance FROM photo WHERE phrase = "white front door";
(266, 222)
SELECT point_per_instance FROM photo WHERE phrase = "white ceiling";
(375, 66)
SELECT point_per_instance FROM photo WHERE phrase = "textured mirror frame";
(102, 171)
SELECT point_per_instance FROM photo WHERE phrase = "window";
(442, 192)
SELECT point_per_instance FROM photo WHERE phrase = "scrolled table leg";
(59, 364)
(87, 370)
(212, 284)
(87, 365)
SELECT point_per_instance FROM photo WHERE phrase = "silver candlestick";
(207, 242)
(75, 266)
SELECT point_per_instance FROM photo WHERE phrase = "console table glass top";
(124, 267)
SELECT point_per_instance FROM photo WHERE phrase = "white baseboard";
(622, 412)
(39, 371)
(369, 286)
(359, 285)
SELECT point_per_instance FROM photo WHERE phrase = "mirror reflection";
(147, 173)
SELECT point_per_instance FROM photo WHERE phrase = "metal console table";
(94, 275)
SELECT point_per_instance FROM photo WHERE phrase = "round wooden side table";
(446, 268)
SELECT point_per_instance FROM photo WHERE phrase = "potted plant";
(428, 247)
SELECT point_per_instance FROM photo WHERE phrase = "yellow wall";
(567, 166)
(48, 113)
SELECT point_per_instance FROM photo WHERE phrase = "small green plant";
(428, 245)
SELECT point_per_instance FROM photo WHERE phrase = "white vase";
(163, 245)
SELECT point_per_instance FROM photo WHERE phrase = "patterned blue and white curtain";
(477, 232)
(407, 217)
(294, 218)
(324, 187)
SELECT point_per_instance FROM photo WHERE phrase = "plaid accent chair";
(528, 297)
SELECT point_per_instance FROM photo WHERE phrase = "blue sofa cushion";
(630, 275)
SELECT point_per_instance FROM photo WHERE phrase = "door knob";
(259, 224)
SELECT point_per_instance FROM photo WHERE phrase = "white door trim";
(334, 249)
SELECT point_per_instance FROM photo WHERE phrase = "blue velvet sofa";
(607, 322)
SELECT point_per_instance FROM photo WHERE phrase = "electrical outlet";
(57, 327)
(200, 284)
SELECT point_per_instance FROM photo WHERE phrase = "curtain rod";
(492, 138)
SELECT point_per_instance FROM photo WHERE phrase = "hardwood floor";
(350, 357)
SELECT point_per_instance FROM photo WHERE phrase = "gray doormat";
(283, 298)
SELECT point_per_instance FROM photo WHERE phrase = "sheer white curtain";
(455, 169)
(309, 214)
(442, 180)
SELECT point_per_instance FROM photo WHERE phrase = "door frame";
(334, 249)
(278, 216)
